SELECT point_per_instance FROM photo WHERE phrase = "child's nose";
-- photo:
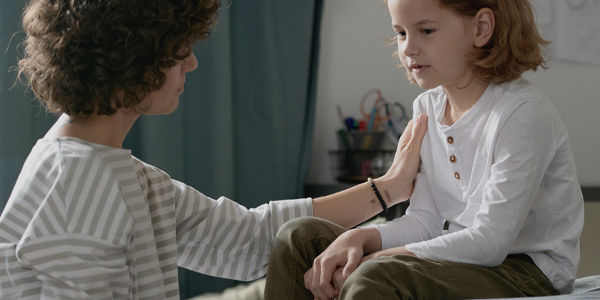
(409, 47)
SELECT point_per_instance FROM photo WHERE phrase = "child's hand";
(337, 282)
(338, 279)
(344, 253)
(338, 276)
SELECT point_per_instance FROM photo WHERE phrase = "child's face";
(433, 42)
(166, 99)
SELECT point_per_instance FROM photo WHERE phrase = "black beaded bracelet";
(385, 208)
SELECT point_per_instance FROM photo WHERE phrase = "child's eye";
(401, 33)
(427, 31)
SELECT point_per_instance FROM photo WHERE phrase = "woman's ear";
(485, 22)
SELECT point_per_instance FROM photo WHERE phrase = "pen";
(372, 118)
(339, 110)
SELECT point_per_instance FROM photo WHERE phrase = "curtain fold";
(22, 119)
(244, 124)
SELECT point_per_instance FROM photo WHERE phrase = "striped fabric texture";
(87, 221)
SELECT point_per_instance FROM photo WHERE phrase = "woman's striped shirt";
(86, 221)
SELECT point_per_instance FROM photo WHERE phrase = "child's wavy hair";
(515, 47)
(80, 53)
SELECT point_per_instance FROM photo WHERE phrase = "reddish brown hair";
(80, 53)
(515, 46)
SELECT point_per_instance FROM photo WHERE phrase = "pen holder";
(355, 166)
(360, 140)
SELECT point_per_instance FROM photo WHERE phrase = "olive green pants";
(300, 241)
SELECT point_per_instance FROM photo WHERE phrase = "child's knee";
(370, 270)
(297, 231)
(366, 281)
(297, 228)
(378, 278)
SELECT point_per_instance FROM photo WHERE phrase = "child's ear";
(485, 26)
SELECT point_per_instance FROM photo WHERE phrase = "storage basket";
(355, 166)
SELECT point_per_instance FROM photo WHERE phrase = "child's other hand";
(338, 279)
(345, 254)
(338, 276)
(337, 282)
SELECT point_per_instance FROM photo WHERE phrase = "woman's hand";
(400, 177)
(344, 253)
(358, 203)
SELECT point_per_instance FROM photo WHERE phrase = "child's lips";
(419, 69)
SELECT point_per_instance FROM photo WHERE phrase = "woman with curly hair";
(86, 219)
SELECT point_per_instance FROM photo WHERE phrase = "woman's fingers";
(417, 133)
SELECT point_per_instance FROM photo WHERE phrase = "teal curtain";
(244, 124)
(22, 120)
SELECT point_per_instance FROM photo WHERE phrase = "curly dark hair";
(80, 53)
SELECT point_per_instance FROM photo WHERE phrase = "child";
(496, 211)
(86, 220)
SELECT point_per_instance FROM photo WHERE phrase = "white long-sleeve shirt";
(504, 177)
(86, 221)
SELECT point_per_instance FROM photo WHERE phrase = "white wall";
(354, 59)
(590, 241)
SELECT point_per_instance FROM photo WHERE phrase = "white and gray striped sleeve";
(76, 245)
(225, 239)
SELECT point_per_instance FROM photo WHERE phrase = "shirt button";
(457, 175)
(453, 158)
(450, 140)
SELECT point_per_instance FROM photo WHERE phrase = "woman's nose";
(191, 63)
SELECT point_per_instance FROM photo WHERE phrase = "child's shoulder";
(526, 98)
(519, 91)
(431, 94)
(429, 100)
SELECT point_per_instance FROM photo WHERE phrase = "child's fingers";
(308, 278)
(315, 287)
(352, 264)
(338, 280)
(325, 282)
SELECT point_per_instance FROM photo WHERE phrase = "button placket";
(452, 157)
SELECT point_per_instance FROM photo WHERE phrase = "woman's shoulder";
(76, 161)
(76, 164)
(150, 173)
(73, 183)
(78, 148)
